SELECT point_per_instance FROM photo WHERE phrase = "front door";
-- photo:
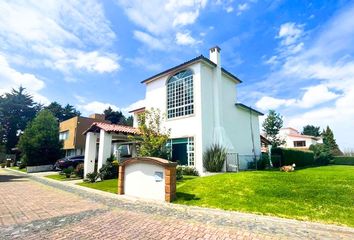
(179, 153)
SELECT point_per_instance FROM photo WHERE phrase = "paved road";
(36, 208)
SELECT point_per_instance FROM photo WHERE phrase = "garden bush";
(91, 177)
(79, 170)
(284, 156)
(214, 158)
(187, 170)
(68, 171)
(179, 174)
(342, 160)
(322, 154)
(109, 170)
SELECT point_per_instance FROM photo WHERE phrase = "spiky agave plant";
(214, 158)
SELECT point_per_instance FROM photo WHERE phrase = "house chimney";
(214, 55)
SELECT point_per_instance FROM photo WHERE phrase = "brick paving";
(36, 208)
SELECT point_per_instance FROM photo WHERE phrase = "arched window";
(180, 94)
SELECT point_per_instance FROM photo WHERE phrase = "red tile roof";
(112, 128)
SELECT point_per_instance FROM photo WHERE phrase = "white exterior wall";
(290, 141)
(90, 153)
(181, 127)
(140, 181)
(105, 148)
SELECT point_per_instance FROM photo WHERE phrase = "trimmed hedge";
(284, 156)
(342, 160)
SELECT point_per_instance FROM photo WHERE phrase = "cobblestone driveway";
(35, 208)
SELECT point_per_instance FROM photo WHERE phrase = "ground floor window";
(182, 150)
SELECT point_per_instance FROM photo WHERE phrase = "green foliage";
(62, 113)
(17, 109)
(262, 163)
(79, 170)
(109, 170)
(187, 170)
(117, 117)
(284, 156)
(311, 131)
(179, 173)
(214, 158)
(330, 142)
(68, 171)
(340, 160)
(91, 177)
(3, 165)
(39, 143)
(271, 126)
(322, 154)
(153, 137)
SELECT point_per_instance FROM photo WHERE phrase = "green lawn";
(110, 185)
(60, 177)
(17, 168)
(324, 194)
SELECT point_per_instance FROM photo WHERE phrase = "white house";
(198, 99)
(293, 139)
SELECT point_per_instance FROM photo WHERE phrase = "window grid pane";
(180, 95)
(190, 151)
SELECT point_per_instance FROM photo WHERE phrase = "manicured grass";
(18, 169)
(110, 185)
(324, 194)
(60, 177)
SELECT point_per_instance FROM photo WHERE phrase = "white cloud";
(290, 32)
(10, 78)
(161, 19)
(185, 39)
(229, 9)
(95, 107)
(55, 33)
(145, 63)
(266, 103)
(136, 105)
(152, 42)
(242, 8)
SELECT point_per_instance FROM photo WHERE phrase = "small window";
(64, 135)
(299, 143)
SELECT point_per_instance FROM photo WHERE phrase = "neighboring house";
(265, 143)
(71, 132)
(293, 139)
(198, 100)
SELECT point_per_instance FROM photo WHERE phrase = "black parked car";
(66, 162)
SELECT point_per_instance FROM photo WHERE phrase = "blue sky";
(293, 56)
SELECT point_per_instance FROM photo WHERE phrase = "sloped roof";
(199, 58)
(241, 105)
(96, 126)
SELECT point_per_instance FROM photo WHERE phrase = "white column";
(105, 147)
(90, 153)
(134, 152)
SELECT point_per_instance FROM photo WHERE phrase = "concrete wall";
(140, 181)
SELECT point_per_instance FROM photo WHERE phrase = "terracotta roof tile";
(112, 128)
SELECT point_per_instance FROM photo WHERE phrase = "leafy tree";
(117, 117)
(39, 143)
(271, 126)
(17, 108)
(62, 113)
(153, 137)
(330, 142)
(311, 131)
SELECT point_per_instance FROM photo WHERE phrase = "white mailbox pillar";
(90, 153)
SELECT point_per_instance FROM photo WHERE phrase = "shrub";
(284, 156)
(186, 170)
(91, 177)
(262, 162)
(79, 170)
(179, 174)
(322, 154)
(343, 160)
(3, 165)
(68, 171)
(23, 163)
(214, 158)
(109, 170)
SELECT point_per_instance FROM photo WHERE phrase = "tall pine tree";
(330, 142)
(17, 109)
(271, 126)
